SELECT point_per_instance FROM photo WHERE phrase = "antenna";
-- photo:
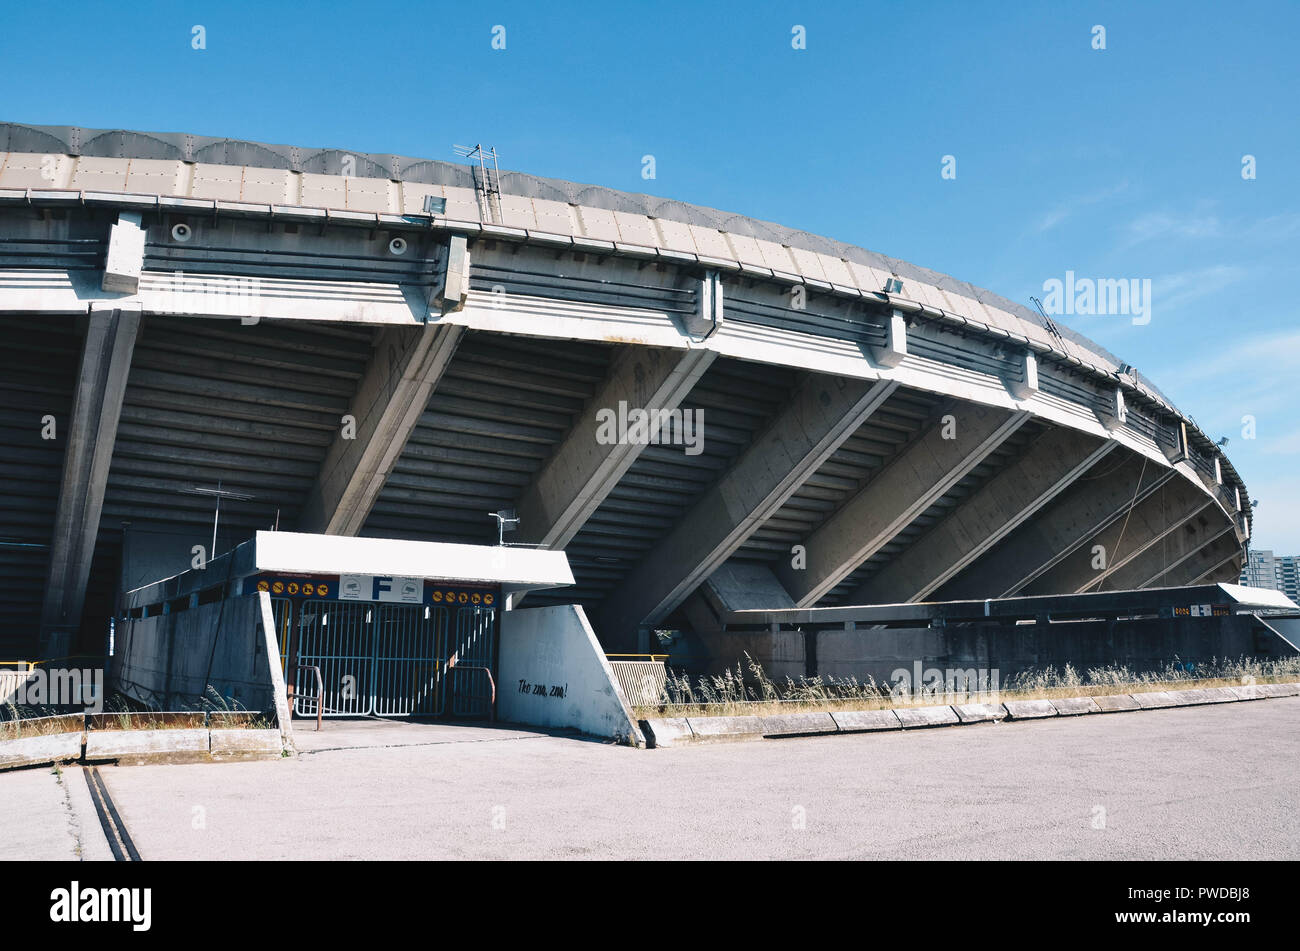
(220, 494)
(1048, 322)
(487, 180)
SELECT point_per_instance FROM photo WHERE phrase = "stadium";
(706, 413)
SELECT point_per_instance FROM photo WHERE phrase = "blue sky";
(1116, 163)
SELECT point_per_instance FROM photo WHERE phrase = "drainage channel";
(119, 840)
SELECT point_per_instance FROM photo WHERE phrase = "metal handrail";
(641, 656)
(320, 692)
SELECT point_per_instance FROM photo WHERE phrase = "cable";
(1123, 528)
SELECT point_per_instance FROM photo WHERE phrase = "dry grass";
(733, 693)
(17, 728)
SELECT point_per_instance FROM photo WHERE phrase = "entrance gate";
(392, 660)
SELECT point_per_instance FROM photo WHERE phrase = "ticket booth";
(392, 628)
(362, 626)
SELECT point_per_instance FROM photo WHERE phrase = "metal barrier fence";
(644, 680)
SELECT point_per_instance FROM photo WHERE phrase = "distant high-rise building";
(1260, 570)
(1288, 576)
(1263, 569)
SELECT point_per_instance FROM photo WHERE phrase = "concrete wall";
(553, 673)
(1145, 644)
(163, 661)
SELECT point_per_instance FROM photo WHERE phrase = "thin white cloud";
(1165, 227)
(1070, 207)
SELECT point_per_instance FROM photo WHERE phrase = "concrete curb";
(866, 721)
(1029, 709)
(912, 717)
(980, 712)
(31, 750)
(199, 744)
(687, 731)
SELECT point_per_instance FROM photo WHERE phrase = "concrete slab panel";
(111, 744)
(798, 724)
(710, 242)
(724, 729)
(368, 194)
(274, 186)
(745, 249)
(1116, 703)
(236, 741)
(675, 236)
(980, 712)
(598, 223)
(776, 256)
(413, 195)
(1155, 700)
(636, 229)
(1029, 709)
(517, 212)
(809, 264)
(20, 170)
(1248, 692)
(1193, 697)
(1075, 706)
(93, 174)
(155, 176)
(911, 717)
(1280, 690)
(324, 191)
(866, 721)
(29, 750)
(667, 731)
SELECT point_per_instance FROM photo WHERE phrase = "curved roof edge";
(179, 146)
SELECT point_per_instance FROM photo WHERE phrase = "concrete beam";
(581, 472)
(708, 314)
(821, 415)
(1225, 562)
(404, 370)
(1093, 502)
(895, 349)
(1116, 414)
(1151, 526)
(450, 288)
(1027, 386)
(1179, 560)
(908, 485)
(125, 257)
(1046, 469)
(91, 432)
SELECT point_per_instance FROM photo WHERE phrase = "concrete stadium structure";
(193, 312)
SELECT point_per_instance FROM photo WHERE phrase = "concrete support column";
(91, 432)
(908, 485)
(1049, 466)
(1098, 497)
(581, 472)
(820, 416)
(1179, 559)
(406, 367)
(1153, 529)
